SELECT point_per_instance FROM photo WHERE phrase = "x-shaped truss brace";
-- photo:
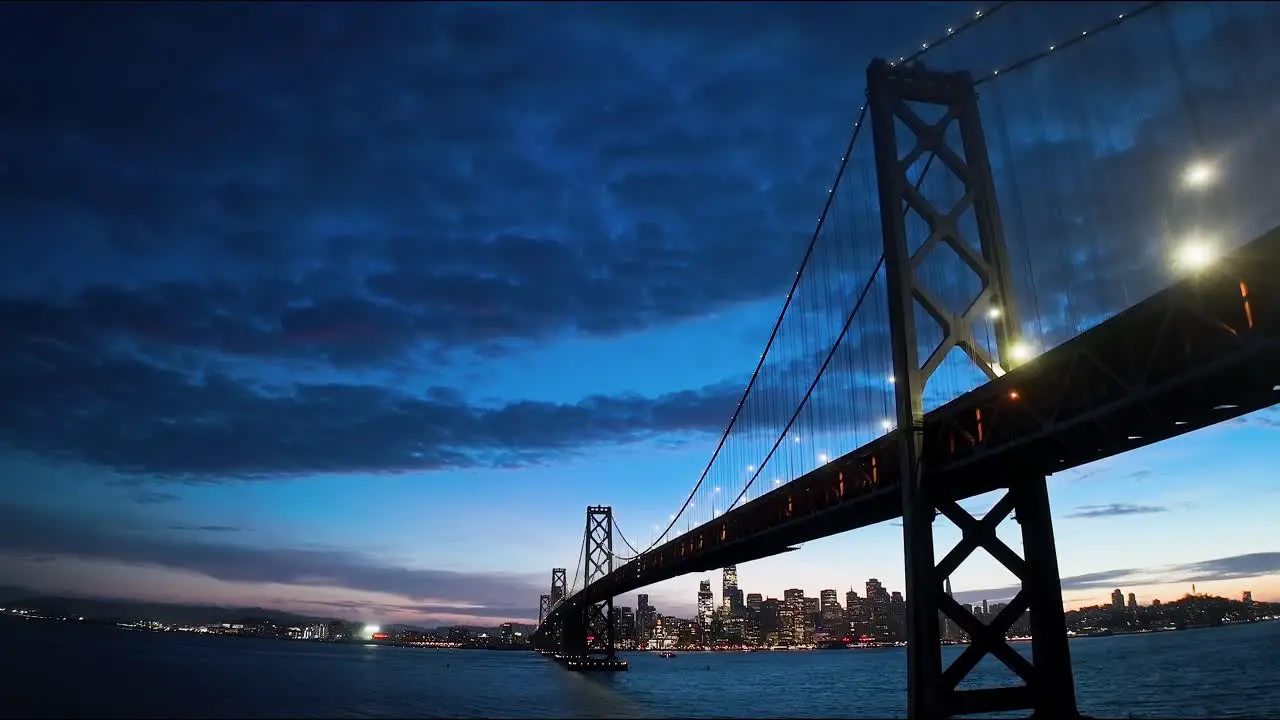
(983, 638)
(957, 329)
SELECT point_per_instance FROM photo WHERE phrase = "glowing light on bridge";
(886, 424)
(717, 489)
(1021, 352)
(1195, 254)
(1199, 174)
(892, 379)
(822, 458)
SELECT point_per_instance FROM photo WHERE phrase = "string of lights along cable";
(823, 383)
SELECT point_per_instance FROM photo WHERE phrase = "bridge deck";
(1202, 351)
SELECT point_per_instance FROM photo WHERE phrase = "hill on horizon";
(98, 608)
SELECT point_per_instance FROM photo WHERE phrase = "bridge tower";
(555, 634)
(544, 607)
(557, 585)
(932, 692)
(594, 628)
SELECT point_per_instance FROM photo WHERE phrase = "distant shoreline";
(115, 625)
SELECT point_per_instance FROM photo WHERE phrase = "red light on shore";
(380, 636)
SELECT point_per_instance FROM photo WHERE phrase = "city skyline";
(275, 351)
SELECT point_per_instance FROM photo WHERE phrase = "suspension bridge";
(1051, 238)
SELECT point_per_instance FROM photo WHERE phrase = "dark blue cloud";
(370, 186)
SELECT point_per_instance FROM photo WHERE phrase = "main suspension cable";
(1030, 60)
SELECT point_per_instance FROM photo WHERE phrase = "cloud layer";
(1234, 567)
(201, 219)
(25, 532)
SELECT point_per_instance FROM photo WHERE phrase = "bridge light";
(795, 438)
(822, 458)
(776, 481)
(1195, 255)
(717, 489)
(892, 379)
(1021, 352)
(887, 424)
(993, 312)
(751, 468)
(1199, 174)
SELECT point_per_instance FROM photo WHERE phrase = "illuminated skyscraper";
(706, 609)
(793, 620)
(646, 618)
(877, 610)
(730, 594)
(831, 615)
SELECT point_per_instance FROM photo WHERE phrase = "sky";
(352, 311)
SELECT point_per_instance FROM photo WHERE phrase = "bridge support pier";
(896, 96)
(1049, 687)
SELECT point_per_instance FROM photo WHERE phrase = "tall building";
(794, 619)
(754, 600)
(1117, 600)
(947, 627)
(646, 618)
(1247, 598)
(626, 630)
(507, 633)
(856, 613)
(1133, 601)
(772, 617)
(728, 585)
(706, 609)
(877, 610)
(830, 614)
(897, 617)
(731, 595)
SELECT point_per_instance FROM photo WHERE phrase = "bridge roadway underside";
(1204, 350)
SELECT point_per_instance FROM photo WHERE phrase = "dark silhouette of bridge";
(1113, 286)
